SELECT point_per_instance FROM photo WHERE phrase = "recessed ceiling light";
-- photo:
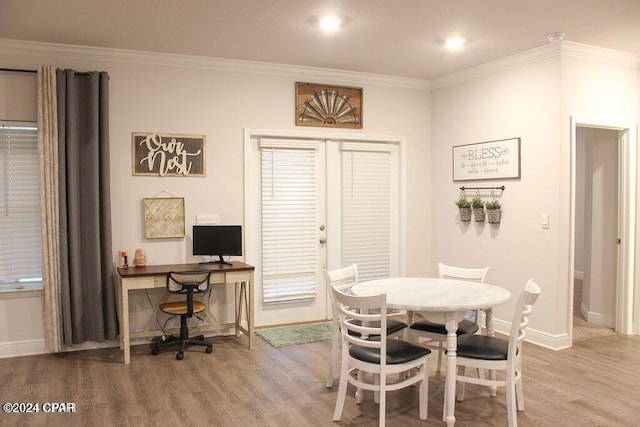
(329, 23)
(454, 43)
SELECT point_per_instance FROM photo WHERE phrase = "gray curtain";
(86, 256)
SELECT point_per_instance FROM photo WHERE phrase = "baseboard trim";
(22, 348)
(35, 347)
(537, 337)
(599, 319)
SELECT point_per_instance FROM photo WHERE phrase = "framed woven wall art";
(164, 217)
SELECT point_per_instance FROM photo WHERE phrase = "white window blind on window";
(288, 208)
(369, 190)
(20, 251)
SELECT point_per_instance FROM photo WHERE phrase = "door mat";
(284, 336)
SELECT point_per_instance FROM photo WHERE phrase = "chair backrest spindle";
(520, 320)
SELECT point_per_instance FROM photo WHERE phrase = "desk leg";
(448, 412)
(250, 312)
(244, 302)
(124, 328)
(119, 308)
(240, 295)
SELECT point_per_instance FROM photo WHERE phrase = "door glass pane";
(366, 212)
(288, 191)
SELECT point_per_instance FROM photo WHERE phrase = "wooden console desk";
(155, 276)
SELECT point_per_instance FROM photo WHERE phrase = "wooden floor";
(595, 383)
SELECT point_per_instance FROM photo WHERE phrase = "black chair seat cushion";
(464, 327)
(482, 347)
(393, 326)
(398, 351)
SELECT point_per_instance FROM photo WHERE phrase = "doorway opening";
(603, 205)
(596, 232)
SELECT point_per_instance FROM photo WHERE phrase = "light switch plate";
(545, 221)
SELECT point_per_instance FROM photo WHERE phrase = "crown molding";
(564, 48)
(600, 54)
(219, 64)
(502, 64)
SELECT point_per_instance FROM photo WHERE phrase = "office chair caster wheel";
(179, 355)
(209, 349)
(155, 350)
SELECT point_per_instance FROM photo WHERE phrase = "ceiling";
(392, 37)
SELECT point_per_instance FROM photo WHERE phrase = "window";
(21, 249)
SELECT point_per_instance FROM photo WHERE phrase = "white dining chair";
(343, 279)
(362, 317)
(436, 332)
(484, 352)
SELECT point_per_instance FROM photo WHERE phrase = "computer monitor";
(217, 241)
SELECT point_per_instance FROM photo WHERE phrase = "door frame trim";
(321, 134)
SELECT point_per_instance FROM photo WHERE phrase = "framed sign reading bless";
(487, 160)
(168, 154)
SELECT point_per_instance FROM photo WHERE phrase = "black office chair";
(189, 283)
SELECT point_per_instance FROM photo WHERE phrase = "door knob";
(323, 240)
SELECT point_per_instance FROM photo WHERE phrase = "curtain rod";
(17, 70)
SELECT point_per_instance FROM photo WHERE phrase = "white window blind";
(367, 202)
(21, 248)
(288, 208)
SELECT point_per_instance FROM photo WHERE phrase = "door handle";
(323, 240)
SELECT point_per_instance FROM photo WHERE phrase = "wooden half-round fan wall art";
(328, 106)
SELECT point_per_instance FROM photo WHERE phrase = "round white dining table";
(452, 298)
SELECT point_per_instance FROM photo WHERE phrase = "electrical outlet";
(207, 219)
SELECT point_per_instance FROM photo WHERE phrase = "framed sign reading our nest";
(328, 106)
(161, 154)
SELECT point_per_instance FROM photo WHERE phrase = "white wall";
(601, 87)
(533, 101)
(15, 100)
(219, 99)
(519, 102)
(21, 329)
(604, 227)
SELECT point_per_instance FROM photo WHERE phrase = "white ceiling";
(393, 37)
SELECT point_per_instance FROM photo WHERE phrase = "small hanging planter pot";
(479, 214)
(494, 212)
(493, 216)
(478, 209)
(464, 207)
(465, 214)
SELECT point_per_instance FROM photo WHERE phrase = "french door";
(314, 203)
